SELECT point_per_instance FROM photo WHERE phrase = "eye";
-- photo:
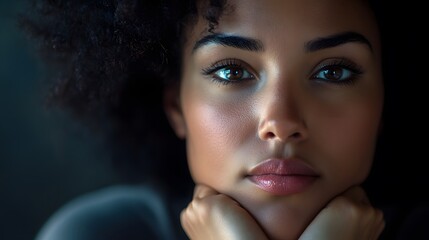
(233, 73)
(228, 71)
(334, 74)
(338, 71)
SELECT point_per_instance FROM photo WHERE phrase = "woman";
(279, 103)
(268, 117)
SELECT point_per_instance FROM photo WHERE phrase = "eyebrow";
(240, 42)
(255, 45)
(335, 40)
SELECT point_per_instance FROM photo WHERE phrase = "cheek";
(348, 141)
(214, 133)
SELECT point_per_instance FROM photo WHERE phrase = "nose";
(281, 117)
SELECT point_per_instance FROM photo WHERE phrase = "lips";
(282, 176)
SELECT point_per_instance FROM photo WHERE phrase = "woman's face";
(281, 106)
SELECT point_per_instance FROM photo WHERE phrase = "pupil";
(333, 73)
(234, 73)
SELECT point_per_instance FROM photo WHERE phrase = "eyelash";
(352, 69)
(223, 65)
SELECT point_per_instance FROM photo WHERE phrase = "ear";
(173, 109)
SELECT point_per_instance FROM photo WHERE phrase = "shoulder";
(118, 212)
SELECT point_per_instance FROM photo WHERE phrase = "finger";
(202, 191)
(381, 224)
(357, 194)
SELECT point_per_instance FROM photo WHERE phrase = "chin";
(285, 225)
(282, 218)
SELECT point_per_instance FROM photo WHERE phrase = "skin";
(281, 110)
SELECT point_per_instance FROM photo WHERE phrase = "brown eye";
(232, 74)
(228, 71)
(337, 71)
(334, 73)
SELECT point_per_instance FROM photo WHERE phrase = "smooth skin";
(281, 93)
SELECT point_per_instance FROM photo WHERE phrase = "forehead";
(290, 20)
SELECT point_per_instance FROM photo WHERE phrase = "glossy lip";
(282, 176)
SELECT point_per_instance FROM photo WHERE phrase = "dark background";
(46, 158)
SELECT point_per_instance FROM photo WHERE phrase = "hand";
(212, 215)
(348, 216)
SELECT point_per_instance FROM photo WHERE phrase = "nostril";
(295, 135)
(270, 135)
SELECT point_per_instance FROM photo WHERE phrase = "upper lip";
(286, 167)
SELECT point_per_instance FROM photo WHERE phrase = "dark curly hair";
(112, 59)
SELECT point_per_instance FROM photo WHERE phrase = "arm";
(114, 213)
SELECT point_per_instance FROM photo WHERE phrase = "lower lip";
(282, 184)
